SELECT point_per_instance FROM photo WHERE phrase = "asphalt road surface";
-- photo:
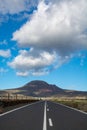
(43, 115)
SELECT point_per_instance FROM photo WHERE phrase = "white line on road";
(70, 108)
(45, 118)
(13, 110)
(47, 109)
(18, 108)
(50, 122)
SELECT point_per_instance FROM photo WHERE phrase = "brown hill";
(42, 89)
(39, 88)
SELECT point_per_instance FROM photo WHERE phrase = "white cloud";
(11, 6)
(5, 53)
(29, 63)
(16, 6)
(61, 26)
(41, 72)
(23, 74)
(22, 9)
(54, 33)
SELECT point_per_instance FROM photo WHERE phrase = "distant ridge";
(39, 88)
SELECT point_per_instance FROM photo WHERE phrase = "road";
(43, 115)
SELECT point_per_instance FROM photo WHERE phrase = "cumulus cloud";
(11, 6)
(23, 74)
(5, 53)
(61, 27)
(29, 63)
(16, 6)
(40, 72)
(55, 31)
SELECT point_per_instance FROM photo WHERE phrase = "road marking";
(70, 108)
(18, 108)
(47, 109)
(50, 122)
(45, 118)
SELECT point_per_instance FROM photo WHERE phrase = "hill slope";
(42, 89)
(38, 88)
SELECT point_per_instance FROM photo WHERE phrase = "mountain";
(39, 88)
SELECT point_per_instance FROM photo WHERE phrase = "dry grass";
(80, 104)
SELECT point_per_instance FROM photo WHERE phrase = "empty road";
(43, 115)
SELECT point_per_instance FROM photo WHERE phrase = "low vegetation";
(80, 104)
(7, 105)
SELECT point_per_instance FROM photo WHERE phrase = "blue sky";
(43, 40)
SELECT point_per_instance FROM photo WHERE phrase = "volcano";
(39, 88)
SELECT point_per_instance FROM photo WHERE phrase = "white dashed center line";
(50, 122)
(47, 109)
